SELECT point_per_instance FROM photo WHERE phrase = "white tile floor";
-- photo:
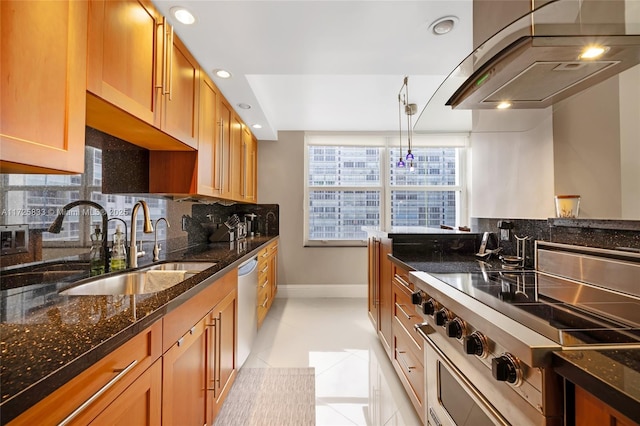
(355, 382)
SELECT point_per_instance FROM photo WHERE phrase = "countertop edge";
(612, 396)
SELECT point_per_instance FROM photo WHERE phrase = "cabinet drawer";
(410, 367)
(401, 277)
(405, 315)
(264, 302)
(107, 379)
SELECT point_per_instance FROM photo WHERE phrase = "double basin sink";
(150, 279)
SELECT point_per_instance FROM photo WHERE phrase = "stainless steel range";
(490, 334)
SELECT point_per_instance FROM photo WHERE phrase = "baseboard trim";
(322, 290)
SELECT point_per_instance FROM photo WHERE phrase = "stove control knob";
(506, 368)
(429, 308)
(456, 328)
(476, 344)
(417, 297)
(442, 316)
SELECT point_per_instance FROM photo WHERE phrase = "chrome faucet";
(266, 222)
(56, 226)
(148, 228)
(156, 247)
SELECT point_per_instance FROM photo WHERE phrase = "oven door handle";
(423, 330)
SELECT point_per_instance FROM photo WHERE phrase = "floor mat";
(270, 397)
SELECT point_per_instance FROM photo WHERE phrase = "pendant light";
(400, 163)
(409, 110)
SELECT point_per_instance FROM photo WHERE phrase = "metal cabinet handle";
(402, 281)
(264, 304)
(403, 361)
(265, 283)
(403, 311)
(244, 170)
(221, 159)
(266, 268)
(211, 381)
(98, 394)
(170, 60)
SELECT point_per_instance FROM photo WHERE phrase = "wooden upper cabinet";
(250, 162)
(130, 58)
(224, 121)
(43, 47)
(180, 95)
(122, 55)
(209, 149)
(237, 154)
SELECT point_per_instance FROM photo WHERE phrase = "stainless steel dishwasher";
(247, 312)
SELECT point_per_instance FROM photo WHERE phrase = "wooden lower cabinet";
(591, 411)
(184, 373)
(379, 285)
(140, 404)
(199, 365)
(407, 346)
(135, 365)
(267, 279)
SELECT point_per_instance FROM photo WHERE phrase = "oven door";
(451, 397)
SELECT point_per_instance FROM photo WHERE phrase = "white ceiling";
(324, 65)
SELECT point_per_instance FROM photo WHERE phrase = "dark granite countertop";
(611, 375)
(47, 339)
(450, 263)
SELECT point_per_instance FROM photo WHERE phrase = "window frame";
(385, 141)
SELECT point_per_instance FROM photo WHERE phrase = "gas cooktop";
(568, 312)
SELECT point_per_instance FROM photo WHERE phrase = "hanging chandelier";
(409, 110)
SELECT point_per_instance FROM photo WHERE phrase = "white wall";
(630, 142)
(512, 171)
(586, 135)
(281, 181)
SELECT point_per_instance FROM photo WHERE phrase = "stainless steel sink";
(151, 279)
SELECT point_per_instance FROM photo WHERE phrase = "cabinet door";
(237, 167)
(209, 153)
(43, 50)
(184, 374)
(273, 270)
(249, 162)
(373, 256)
(224, 135)
(222, 353)
(139, 405)
(180, 96)
(122, 55)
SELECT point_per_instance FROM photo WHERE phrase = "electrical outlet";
(504, 235)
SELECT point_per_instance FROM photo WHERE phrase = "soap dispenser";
(97, 254)
(118, 252)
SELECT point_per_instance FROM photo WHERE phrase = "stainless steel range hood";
(538, 71)
(535, 61)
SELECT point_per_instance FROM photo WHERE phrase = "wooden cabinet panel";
(43, 50)
(410, 369)
(180, 102)
(224, 316)
(140, 404)
(373, 286)
(591, 411)
(184, 373)
(122, 55)
(194, 172)
(128, 74)
(139, 353)
(249, 165)
(267, 279)
(236, 161)
(224, 121)
(404, 313)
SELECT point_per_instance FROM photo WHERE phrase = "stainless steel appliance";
(490, 333)
(247, 313)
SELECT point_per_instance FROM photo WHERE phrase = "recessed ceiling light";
(222, 73)
(242, 105)
(443, 25)
(592, 52)
(504, 105)
(257, 126)
(183, 15)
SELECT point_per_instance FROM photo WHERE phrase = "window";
(36, 200)
(353, 181)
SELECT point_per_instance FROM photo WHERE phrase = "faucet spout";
(156, 247)
(56, 226)
(147, 229)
